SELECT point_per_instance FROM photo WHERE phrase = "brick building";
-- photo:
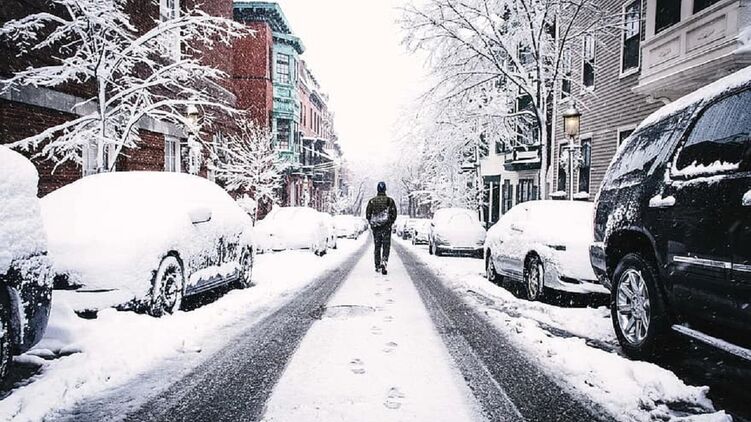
(27, 111)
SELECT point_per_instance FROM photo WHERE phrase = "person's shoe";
(383, 269)
(378, 269)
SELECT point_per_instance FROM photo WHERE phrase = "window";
(171, 154)
(283, 128)
(89, 159)
(700, 5)
(720, 138)
(526, 191)
(526, 125)
(623, 134)
(283, 68)
(588, 55)
(566, 68)
(585, 165)
(631, 36)
(168, 10)
(667, 14)
(507, 192)
(562, 175)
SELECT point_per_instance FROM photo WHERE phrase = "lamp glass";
(571, 122)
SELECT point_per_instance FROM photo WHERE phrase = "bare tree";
(133, 75)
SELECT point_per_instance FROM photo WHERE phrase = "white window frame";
(88, 159)
(584, 61)
(172, 167)
(620, 130)
(168, 10)
(629, 72)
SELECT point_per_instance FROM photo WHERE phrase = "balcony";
(699, 49)
(522, 157)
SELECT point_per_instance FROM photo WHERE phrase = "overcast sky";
(354, 49)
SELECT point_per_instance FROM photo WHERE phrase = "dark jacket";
(381, 211)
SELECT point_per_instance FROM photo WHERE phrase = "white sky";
(354, 49)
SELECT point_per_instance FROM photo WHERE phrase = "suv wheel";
(637, 309)
(430, 248)
(490, 273)
(246, 266)
(534, 276)
(5, 335)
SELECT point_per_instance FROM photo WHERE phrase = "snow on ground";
(558, 337)
(374, 356)
(116, 347)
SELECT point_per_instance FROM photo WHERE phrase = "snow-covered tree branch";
(131, 75)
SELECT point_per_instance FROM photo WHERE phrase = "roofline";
(269, 12)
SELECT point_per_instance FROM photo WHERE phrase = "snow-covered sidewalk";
(576, 346)
(81, 359)
(374, 356)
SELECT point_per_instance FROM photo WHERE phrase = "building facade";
(27, 111)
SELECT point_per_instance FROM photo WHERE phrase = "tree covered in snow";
(512, 55)
(247, 161)
(132, 75)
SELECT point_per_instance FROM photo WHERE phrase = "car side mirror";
(199, 215)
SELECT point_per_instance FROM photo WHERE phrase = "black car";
(672, 225)
(25, 276)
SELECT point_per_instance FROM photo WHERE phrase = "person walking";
(381, 214)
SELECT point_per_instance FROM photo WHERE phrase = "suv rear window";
(719, 139)
(638, 156)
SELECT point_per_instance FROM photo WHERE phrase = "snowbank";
(21, 230)
(577, 347)
(117, 347)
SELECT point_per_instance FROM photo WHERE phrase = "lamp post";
(571, 125)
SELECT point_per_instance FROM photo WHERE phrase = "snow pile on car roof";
(111, 230)
(710, 91)
(21, 230)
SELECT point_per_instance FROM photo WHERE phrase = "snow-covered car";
(421, 232)
(25, 277)
(293, 228)
(399, 224)
(145, 240)
(543, 245)
(409, 228)
(331, 234)
(348, 226)
(456, 230)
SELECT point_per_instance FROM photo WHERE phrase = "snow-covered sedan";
(348, 226)
(421, 232)
(293, 228)
(331, 234)
(456, 230)
(543, 245)
(145, 240)
(25, 278)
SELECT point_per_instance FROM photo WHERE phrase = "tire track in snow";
(506, 383)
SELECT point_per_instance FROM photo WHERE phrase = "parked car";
(25, 277)
(293, 228)
(672, 226)
(145, 240)
(399, 224)
(348, 226)
(456, 230)
(409, 228)
(543, 245)
(331, 234)
(421, 232)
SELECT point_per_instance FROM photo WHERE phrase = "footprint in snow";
(376, 330)
(394, 398)
(388, 289)
(378, 293)
(389, 301)
(390, 347)
(357, 366)
(388, 318)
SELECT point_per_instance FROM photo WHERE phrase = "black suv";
(673, 223)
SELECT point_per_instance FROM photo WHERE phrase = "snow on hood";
(110, 230)
(21, 230)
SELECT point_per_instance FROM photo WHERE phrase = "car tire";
(534, 278)
(246, 267)
(6, 338)
(168, 287)
(438, 251)
(430, 248)
(490, 273)
(641, 322)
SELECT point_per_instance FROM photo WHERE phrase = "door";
(702, 212)
(510, 257)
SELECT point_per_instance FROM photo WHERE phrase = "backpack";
(380, 219)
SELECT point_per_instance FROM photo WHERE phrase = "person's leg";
(386, 247)
(378, 240)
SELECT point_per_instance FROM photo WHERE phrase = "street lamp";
(571, 125)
